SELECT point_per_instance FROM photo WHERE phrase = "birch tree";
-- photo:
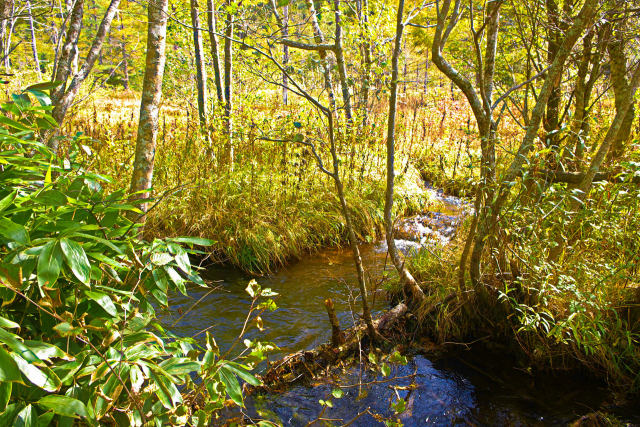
(142, 176)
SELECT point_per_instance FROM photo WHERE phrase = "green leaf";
(5, 394)
(243, 373)
(64, 405)
(46, 351)
(161, 258)
(76, 260)
(42, 97)
(7, 200)
(103, 301)
(8, 369)
(28, 417)
(9, 415)
(43, 377)
(45, 419)
(384, 368)
(49, 263)
(52, 198)
(232, 385)
(198, 241)
(137, 378)
(167, 391)
(44, 85)
(6, 323)
(15, 344)
(180, 366)
(14, 232)
(337, 393)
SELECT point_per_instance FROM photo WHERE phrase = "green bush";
(79, 338)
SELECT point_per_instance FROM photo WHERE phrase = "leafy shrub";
(79, 337)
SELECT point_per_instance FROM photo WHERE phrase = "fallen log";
(307, 363)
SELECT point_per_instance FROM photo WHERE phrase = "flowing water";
(468, 389)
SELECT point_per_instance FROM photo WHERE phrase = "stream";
(468, 388)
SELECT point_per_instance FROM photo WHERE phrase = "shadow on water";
(451, 391)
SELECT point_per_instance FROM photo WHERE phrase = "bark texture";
(150, 103)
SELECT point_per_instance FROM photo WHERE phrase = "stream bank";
(458, 388)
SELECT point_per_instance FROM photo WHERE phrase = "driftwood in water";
(304, 364)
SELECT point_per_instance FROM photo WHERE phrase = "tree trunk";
(319, 39)
(366, 59)
(228, 89)
(6, 30)
(64, 95)
(34, 47)
(285, 55)
(150, 103)
(412, 290)
(125, 57)
(215, 55)
(342, 68)
(374, 335)
(621, 88)
(201, 71)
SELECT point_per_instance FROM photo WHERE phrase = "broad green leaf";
(15, 344)
(51, 198)
(385, 370)
(64, 405)
(5, 394)
(44, 85)
(8, 369)
(167, 391)
(9, 415)
(6, 323)
(49, 263)
(76, 260)
(7, 200)
(180, 366)
(243, 373)
(137, 378)
(43, 377)
(199, 241)
(13, 232)
(161, 258)
(232, 385)
(46, 351)
(103, 301)
(28, 417)
(177, 280)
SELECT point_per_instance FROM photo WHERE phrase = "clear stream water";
(466, 389)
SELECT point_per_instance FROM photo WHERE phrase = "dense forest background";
(267, 130)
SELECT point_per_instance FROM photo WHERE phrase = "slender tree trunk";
(215, 55)
(319, 39)
(201, 71)
(621, 87)
(63, 68)
(412, 290)
(34, 47)
(7, 10)
(125, 57)
(366, 61)
(353, 241)
(64, 98)
(150, 103)
(285, 55)
(228, 88)
(342, 68)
